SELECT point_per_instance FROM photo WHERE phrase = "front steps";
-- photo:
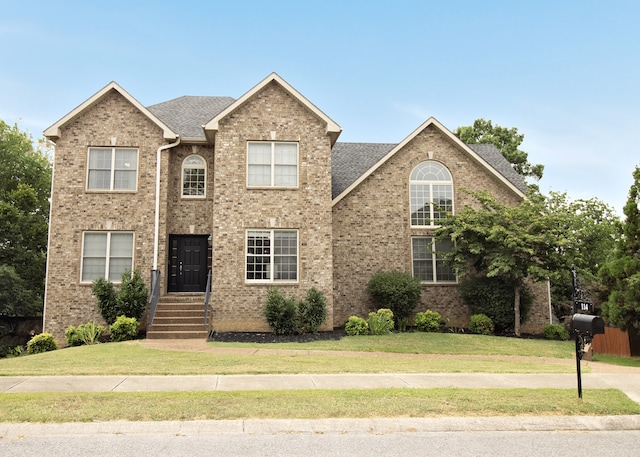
(179, 317)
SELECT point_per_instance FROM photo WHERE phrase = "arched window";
(194, 176)
(431, 189)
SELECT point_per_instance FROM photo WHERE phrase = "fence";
(616, 342)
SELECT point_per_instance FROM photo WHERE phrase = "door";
(187, 263)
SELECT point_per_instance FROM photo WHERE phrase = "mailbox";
(585, 324)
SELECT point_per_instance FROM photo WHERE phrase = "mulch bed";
(270, 337)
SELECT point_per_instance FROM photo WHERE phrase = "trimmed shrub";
(428, 321)
(130, 300)
(124, 328)
(105, 294)
(556, 332)
(356, 326)
(280, 312)
(84, 334)
(312, 312)
(44, 342)
(380, 322)
(481, 324)
(397, 291)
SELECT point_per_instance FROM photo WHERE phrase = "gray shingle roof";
(492, 154)
(186, 115)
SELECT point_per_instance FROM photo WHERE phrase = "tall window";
(431, 190)
(428, 260)
(272, 255)
(112, 169)
(194, 176)
(272, 164)
(106, 255)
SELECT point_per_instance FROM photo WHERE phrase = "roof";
(492, 154)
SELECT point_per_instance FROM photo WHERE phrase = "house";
(258, 192)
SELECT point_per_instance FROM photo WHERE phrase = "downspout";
(156, 222)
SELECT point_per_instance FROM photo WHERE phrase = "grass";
(618, 360)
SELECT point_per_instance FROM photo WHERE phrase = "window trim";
(112, 169)
(182, 168)
(434, 263)
(107, 257)
(272, 165)
(272, 256)
(430, 184)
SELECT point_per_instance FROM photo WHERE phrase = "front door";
(187, 263)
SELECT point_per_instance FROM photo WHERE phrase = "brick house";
(257, 191)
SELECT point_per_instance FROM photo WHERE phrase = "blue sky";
(565, 73)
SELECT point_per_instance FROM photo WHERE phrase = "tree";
(506, 140)
(621, 276)
(25, 185)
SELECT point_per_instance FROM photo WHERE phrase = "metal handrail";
(207, 292)
(154, 297)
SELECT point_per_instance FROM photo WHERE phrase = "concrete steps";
(179, 317)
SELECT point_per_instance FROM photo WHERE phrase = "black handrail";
(207, 292)
(155, 295)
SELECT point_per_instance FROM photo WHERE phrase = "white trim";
(432, 210)
(193, 197)
(273, 165)
(107, 251)
(271, 280)
(112, 170)
(434, 263)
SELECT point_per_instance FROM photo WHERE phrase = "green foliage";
(356, 326)
(89, 333)
(494, 297)
(8, 352)
(380, 322)
(312, 312)
(43, 342)
(280, 312)
(124, 329)
(25, 184)
(556, 332)
(130, 300)
(397, 291)
(428, 321)
(481, 324)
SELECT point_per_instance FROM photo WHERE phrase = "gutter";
(156, 222)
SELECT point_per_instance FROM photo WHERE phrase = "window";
(194, 176)
(428, 260)
(272, 255)
(272, 164)
(112, 169)
(431, 190)
(106, 255)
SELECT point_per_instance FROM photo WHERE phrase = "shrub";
(84, 334)
(494, 297)
(356, 326)
(130, 300)
(105, 295)
(124, 328)
(481, 324)
(312, 312)
(428, 321)
(72, 335)
(556, 332)
(380, 322)
(8, 352)
(397, 291)
(44, 342)
(280, 312)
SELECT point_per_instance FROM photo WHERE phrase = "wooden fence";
(616, 342)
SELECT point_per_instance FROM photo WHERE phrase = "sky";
(565, 73)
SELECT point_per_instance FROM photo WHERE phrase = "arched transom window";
(194, 176)
(431, 190)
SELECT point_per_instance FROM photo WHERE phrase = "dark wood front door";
(187, 263)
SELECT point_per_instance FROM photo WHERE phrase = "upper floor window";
(112, 169)
(106, 255)
(272, 164)
(194, 176)
(272, 255)
(431, 190)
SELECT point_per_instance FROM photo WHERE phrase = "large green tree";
(25, 186)
(507, 140)
(621, 276)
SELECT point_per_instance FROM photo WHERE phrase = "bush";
(428, 321)
(84, 334)
(105, 295)
(494, 297)
(312, 312)
(44, 342)
(130, 300)
(380, 322)
(356, 326)
(556, 332)
(124, 328)
(8, 352)
(397, 291)
(280, 312)
(481, 324)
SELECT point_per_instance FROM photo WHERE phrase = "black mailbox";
(585, 324)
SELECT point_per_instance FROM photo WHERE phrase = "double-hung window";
(112, 169)
(429, 264)
(272, 164)
(431, 190)
(106, 255)
(194, 176)
(272, 256)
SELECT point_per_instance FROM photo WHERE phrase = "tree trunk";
(516, 308)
